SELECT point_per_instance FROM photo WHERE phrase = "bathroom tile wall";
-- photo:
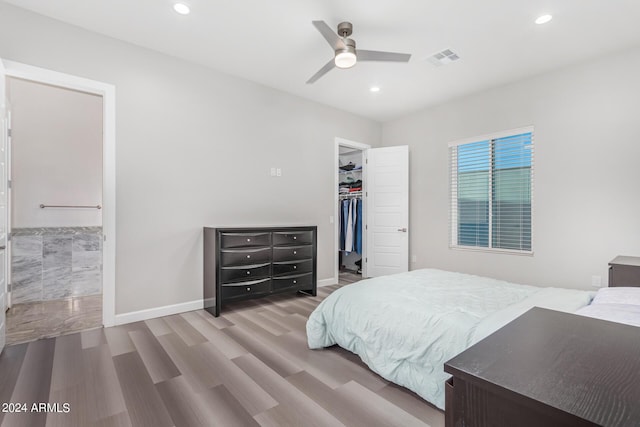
(55, 263)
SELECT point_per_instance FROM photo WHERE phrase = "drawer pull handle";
(295, 252)
(248, 272)
(248, 289)
(248, 256)
(248, 240)
(295, 281)
(295, 238)
(295, 266)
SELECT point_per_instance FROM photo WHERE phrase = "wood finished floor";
(251, 366)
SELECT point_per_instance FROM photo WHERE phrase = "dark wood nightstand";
(624, 271)
(548, 368)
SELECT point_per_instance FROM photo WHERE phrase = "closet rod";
(42, 206)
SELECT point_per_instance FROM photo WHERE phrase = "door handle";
(3, 247)
(404, 230)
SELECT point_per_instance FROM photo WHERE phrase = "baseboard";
(151, 313)
(167, 310)
(327, 282)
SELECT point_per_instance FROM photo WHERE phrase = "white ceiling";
(274, 42)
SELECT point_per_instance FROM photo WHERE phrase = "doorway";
(55, 210)
(106, 236)
(379, 178)
(350, 218)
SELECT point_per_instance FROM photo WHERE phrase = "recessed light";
(543, 19)
(374, 89)
(181, 8)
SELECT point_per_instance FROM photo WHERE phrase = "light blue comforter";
(405, 326)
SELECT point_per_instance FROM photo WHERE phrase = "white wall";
(587, 152)
(56, 155)
(194, 148)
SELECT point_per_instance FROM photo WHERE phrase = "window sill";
(491, 250)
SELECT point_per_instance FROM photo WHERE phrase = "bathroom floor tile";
(31, 321)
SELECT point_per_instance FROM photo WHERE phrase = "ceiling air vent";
(444, 57)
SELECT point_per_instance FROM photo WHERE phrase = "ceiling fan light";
(181, 8)
(345, 58)
(543, 19)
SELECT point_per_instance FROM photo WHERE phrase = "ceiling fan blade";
(330, 36)
(374, 55)
(322, 71)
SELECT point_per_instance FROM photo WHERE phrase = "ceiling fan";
(346, 55)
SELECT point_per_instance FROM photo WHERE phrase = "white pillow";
(617, 295)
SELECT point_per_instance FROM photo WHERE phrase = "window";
(491, 179)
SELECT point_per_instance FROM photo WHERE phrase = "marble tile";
(53, 263)
(86, 280)
(26, 246)
(56, 251)
(55, 231)
(26, 292)
(86, 242)
(30, 321)
(56, 282)
(86, 259)
(26, 277)
(26, 269)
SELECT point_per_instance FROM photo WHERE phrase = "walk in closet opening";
(350, 218)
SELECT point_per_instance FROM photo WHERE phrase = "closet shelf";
(341, 172)
(351, 195)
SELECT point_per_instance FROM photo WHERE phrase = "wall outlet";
(596, 281)
(273, 171)
(414, 258)
(278, 172)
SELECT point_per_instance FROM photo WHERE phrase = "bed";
(405, 326)
(620, 305)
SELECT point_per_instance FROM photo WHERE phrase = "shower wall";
(51, 263)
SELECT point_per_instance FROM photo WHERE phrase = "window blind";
(491, 192)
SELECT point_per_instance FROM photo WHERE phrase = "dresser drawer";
(244, 289)
(292, 253)
(292, 267)
(295, 281)
(231, 257)
(245, 272)
(241, 240)
(292, 237)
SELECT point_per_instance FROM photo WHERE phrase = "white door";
(387, 210)
(3, 205)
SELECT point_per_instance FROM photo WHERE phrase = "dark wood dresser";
(242, 263)
(548, 368)
(624, 271)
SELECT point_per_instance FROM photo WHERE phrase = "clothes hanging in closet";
(351, 225)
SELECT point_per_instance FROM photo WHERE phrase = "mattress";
(405, 326)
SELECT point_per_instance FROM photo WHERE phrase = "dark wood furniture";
(242, 263)
(624, 271)
(548, 368)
